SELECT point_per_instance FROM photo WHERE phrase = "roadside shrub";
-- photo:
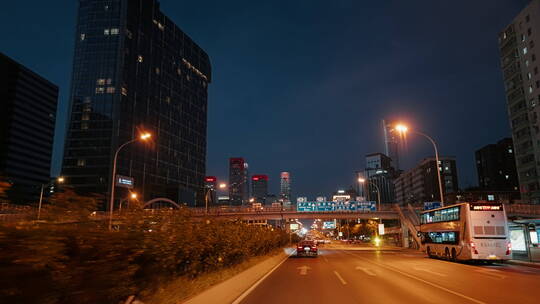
(85, 263)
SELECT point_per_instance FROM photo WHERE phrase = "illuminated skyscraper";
(134, 70)
(238, 181)
(285, 187)
(391, 143)
(259, 188)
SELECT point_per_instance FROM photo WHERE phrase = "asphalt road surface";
(365, 275)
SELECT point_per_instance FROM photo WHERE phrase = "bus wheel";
(428, 250)
(447, 253)
(454, 254)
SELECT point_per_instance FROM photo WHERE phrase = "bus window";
(443, 237)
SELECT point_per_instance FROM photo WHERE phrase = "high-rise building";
(238, 181)
(391, 143)
(259, 188)
(421, 184)
(134, 70)
(210, 185)
(496, 166)
(26, 128)
(285, 187)
(379, 172)
(522, 84)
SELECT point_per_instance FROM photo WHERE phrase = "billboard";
(340, 206)
(306, 206)
(124, 181)
(321, 199)
(301, 199)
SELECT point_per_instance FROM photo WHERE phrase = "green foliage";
(73, 263)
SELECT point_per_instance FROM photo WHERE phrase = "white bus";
(466, 231)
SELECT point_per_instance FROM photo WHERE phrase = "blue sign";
(306, 206)
(329, 225)
(432, 205)
(325, 206)
(367, 206)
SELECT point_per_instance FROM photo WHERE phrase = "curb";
(523, 263)
(236, 287)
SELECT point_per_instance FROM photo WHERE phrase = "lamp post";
(403, 129)
(362, 181)
(132, 196)
(143, 136)
(60, 180)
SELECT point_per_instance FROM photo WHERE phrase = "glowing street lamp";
(144, 136)
(222, 186)
(401, 128)
(363, 180)
(59, 180)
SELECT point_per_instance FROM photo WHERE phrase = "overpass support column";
(404, 235)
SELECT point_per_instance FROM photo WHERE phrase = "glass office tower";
(135, 71)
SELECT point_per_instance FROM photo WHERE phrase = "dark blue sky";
(301, 86)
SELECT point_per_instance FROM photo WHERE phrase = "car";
(307, 248)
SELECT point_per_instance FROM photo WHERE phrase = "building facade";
(520, 67)
(259, 188)
(285, 187)
(135, 71)
(238, 181)
(27, 122)
(379, 172)
(420, 184)
(210, 186)
(391, 143)
(496, 166)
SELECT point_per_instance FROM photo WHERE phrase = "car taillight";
(473, 247)
(313, 248)
(508, 248)
(300, 247)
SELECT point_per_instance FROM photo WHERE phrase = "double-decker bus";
(466, 231)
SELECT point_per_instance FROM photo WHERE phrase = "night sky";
(301, 86)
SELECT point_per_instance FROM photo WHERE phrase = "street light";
(59, 180)
(401, 128)
(362, 181)
(132, 196)
(143, 136)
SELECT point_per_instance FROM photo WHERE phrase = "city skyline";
(417, 100)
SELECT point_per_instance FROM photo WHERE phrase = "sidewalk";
(524, 263)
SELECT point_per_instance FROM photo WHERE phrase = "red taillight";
(508, 248)
(473, 247)
(313, 248)
(300, 247)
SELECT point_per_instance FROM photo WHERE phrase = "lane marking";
(422, 280)
(303, 269)
(492, 273)
(430, 271)
(340, 278)
(367, 271)
(249, 290)
(325, 259)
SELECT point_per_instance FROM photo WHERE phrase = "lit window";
(178, 71)
(129, 34)
(506, 176)
(106, 7)
(524, 50)
(114, 31)
(157, 71)
(81, 162)
(100, 81)
(124, 91)
(491, 197)
(83, 36)
(84, 126)
(110, 90)
(522, 37)
(510, 151)
(106, 32)
(109, 80)
(100, 90)
(529, 75)
(168, 99)
(526, 62)
(85, 116)
(140, 58)
(530, 89)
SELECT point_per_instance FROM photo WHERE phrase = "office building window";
(83, 36)
(81, 162)
(114, 31)
(106, 32)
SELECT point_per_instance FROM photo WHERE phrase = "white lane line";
(367, 271)
(247, 292)
(422, 280)
(430, 271)
(325, 259)
(340, 278)
(492, 273)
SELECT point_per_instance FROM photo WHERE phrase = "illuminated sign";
(498, 207)
(301, 199)
(294, 226)
(210, 179)
(125, 181)
(320, 199)
(329, 225)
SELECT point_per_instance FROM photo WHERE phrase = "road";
(343, 274)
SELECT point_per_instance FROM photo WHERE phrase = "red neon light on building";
(259, 177)
(210, 179)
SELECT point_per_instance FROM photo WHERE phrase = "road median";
(230, 290)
